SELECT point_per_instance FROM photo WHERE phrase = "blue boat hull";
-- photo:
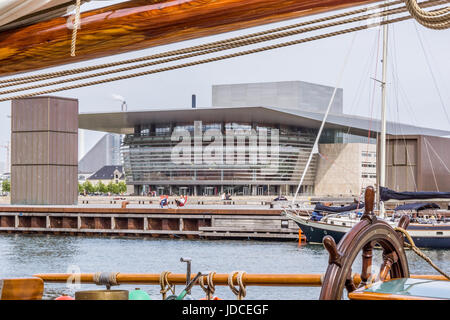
(315, 234)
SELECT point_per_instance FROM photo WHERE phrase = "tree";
(101, 187)
(80, 188)
(6, 186)
(122, 187)
(113, 188)
(88, 187)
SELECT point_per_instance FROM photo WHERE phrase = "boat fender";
(138, 294)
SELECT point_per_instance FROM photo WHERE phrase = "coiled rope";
(107, 279)
(412, 245)
(165, 285)
(439, 19)
(210, 288)
(241, 291)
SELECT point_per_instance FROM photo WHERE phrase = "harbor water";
(25, 255)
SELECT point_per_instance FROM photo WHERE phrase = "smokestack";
(194, 101)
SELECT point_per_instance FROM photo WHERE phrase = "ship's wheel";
(363, 237)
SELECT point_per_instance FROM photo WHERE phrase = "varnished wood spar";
(290, 280)
(140, 24)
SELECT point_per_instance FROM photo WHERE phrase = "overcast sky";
(416, 95)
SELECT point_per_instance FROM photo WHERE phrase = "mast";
(383, 121)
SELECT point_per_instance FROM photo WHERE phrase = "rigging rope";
(420, 253)
(218, 58)
(439, 19)
(75, 28)
(193, 48)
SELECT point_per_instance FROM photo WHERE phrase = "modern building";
(106, 152)
(255, 139)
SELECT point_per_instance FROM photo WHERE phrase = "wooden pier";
(212, 223)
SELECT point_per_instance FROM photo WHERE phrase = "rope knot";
(107, 279)
(210, 288)
(165, 285)
(242, 291)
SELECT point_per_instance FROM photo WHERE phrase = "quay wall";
(152, 222)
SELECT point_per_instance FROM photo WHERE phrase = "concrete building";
(255, 139)
(345, 168)
(289, 95)
(418, 163)
(106, 152)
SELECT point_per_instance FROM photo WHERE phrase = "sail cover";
(16, 10)
(320, 207)
(417, 206)
(387, 194)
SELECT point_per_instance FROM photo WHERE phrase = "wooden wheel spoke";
(367, 254)
(388, 261)
(349, 283)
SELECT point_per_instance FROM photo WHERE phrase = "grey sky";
(412, 94)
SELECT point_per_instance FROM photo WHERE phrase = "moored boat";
(427, 231)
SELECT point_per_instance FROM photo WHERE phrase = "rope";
(165, 285)
(210, 288)
(193, 48)
(242, 291)
(107, 279)
(75, 28)
(218, 58)
(199, 62)
(418, 252)
(439, 19)
(206, 49)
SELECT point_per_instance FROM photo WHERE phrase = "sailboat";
(430, 230)
(427, 231)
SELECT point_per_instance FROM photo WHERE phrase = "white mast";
(383, 120)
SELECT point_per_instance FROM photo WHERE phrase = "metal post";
(188, 270)
(383, 121)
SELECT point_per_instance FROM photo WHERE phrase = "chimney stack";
(194, 101)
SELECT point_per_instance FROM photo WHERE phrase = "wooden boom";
(140, 24)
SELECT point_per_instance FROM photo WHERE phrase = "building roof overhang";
(124, 122)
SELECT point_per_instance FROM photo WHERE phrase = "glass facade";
(342, 136)
(211, 158)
